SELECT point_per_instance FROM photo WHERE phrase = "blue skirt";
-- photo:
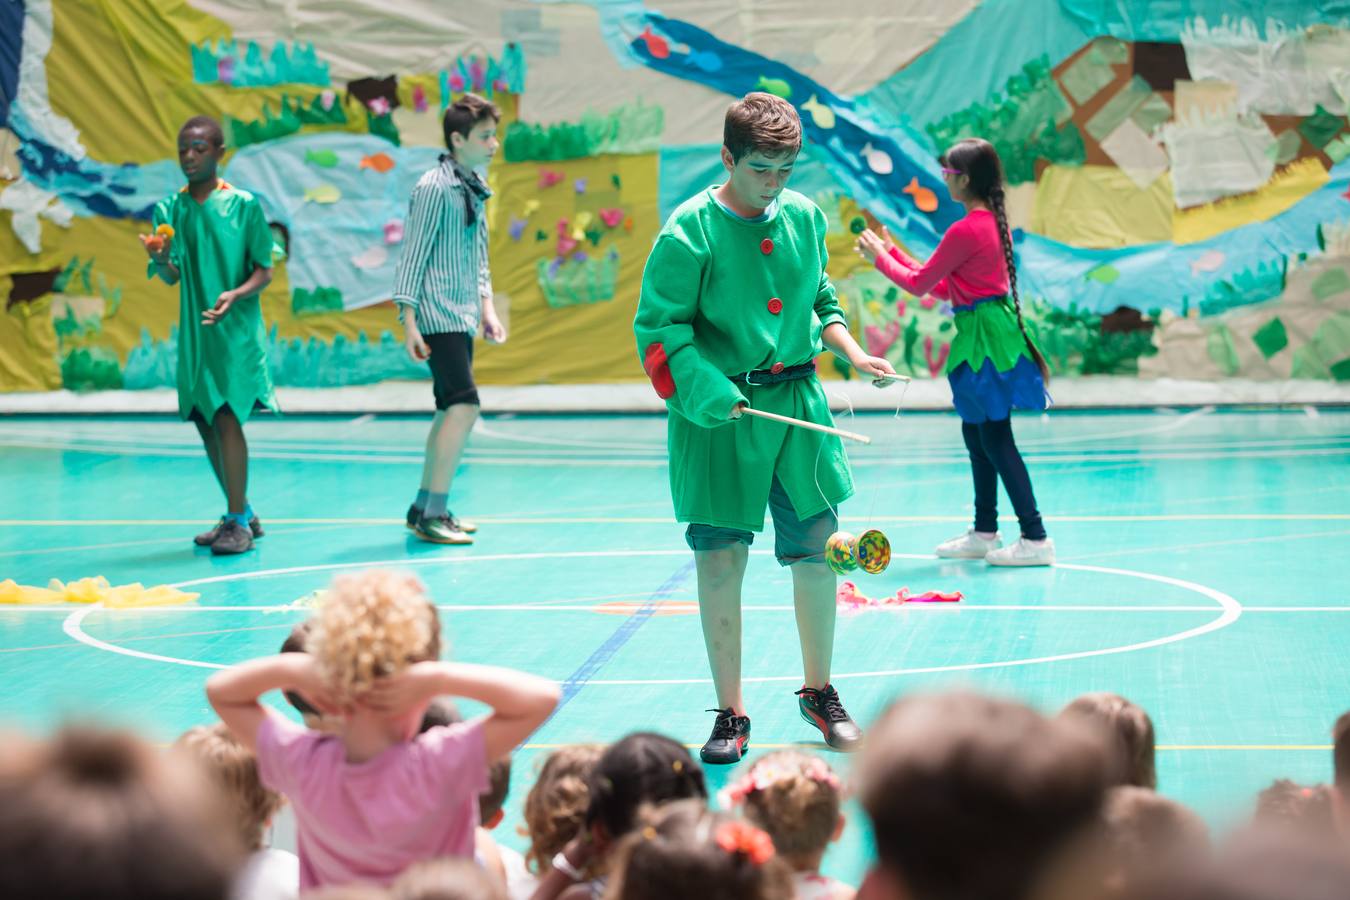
(990, 395)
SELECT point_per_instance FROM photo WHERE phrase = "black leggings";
(993, 455)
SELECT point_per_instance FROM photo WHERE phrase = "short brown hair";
(676, 853)
(1340, 754)
(447, 879)
(231, 766)
(94, 813)
(1143, 829)
(555, 807)
(971, 798)
(491, 801)
(1128, 731)
(466, 112)
(761, 123)
(798, 805)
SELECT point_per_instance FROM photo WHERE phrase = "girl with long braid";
(993, 366)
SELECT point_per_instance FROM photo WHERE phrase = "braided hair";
(979, 160)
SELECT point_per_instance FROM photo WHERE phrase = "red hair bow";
(743, 838)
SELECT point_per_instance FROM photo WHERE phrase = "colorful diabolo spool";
(872, 549)
(839, 553)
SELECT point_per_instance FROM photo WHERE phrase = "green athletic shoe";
(207, 538)
(440, 530)
(463, 525)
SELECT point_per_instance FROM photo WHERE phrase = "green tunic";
(723, 296)
(216, 246)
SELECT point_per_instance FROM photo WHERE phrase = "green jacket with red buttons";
(722, 296)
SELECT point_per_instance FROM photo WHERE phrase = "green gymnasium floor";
(1205, 564)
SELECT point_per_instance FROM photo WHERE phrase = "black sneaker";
(822, 709)
(232, 538)
(730, 738)
(440, 530)
(207, 538)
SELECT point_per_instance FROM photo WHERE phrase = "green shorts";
(795, 540)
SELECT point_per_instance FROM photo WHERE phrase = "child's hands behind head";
(398, 693)
(306, 680)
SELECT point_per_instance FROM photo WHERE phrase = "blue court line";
(573, 683)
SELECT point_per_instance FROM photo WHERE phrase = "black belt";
(770, 376)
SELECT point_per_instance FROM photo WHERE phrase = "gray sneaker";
(232, 538)
(440, 530)
(207, 538)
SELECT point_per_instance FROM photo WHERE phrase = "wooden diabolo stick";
(812, 426)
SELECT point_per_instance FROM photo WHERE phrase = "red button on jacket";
(775, 306)
(766, 246)
(776, 368)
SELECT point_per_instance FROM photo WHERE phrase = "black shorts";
(451, 365)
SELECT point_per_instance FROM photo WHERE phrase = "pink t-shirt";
(369, 821)
(968, 263)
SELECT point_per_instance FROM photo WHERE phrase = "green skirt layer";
(988, 331)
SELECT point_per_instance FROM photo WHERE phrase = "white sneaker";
(968, 546)
(1024, 553)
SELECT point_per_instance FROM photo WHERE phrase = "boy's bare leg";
(720, 575)
(208, 436)
(813, 594)
(445, 445)
(233, 458)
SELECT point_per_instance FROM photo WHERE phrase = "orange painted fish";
(924, 198)
(380, 162)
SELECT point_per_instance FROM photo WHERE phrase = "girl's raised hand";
(870, 246)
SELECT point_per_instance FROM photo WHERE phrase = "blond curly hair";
(555, 808)
(371, 625)
(795, 798)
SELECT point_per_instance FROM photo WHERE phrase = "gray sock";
(435, 505)
(421, 502)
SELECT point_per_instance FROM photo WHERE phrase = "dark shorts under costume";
(795, 540)
(451, 366)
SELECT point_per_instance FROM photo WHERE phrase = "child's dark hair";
(761, 123)
(491, 801)
(979, 160)
(295, 643)
(684, 851)
(466, 112)
(795, 798)
(973, 798)
(642, 768)
(1128, 732)
(207, 124)
(92, 813)
(1340, 754)
(1304, 808)
(1141, 830)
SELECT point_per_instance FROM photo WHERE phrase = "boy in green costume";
(735, 307)
(212, 240)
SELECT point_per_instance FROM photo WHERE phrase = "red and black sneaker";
(822, 709)
(730, 738)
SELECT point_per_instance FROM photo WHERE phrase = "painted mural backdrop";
(1180, 171)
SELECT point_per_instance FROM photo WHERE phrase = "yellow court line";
(640, 520)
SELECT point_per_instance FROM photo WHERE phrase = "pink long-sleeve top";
(968, 263)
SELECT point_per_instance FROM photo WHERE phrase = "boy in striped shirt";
(444, 292)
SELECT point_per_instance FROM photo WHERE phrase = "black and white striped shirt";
(443, 274)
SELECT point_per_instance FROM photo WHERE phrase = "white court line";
(1231, 610)
(599, 462)
(1172, 425)
(587, 606)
